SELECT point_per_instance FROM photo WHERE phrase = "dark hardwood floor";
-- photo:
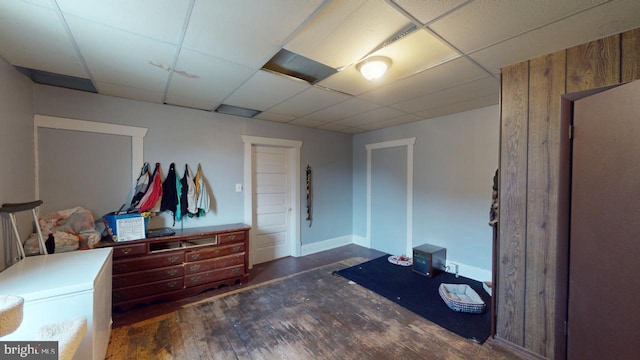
(306, 316)
(260, 273)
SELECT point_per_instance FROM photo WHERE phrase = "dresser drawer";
(148, 262)
(147, 276)
(213, 275)
(231, 237)
(121, 251)
(139, 291)
(215, 263)
(213, 252)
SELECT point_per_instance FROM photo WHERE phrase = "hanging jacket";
(192, 195)
(178, 211)
(142, 184)
(154, 192)
(170, 195)
(203, 202)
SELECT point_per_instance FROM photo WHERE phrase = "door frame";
(408, 142)
(294, 188)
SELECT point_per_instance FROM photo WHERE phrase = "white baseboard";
(469, 271)
(326, 245)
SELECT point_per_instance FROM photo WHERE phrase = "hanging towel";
(170, 192)
(154, 192)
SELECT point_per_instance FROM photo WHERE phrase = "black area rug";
(419, 294)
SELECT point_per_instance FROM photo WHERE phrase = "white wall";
(454, 163)
(16, 148)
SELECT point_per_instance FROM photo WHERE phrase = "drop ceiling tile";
(123, 58)
(482, 23)
(265, 89)
(488, 86)
(248, 36)
(410, 55)
(155, 19)
(332, 127)
(128, 92)
(265, 115)
(342, 110)
(405, 119)
(344, 32)
(443, 76)
(33, 37)
(205, 78)
(306, 122)
(459, 106)
(618, 16)
(427, 11)
(308, 101)
(373, 116)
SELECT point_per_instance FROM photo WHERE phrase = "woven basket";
(461, 298)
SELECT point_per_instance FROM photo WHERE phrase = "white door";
(272, 203)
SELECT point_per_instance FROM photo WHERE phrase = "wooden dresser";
(173, 267)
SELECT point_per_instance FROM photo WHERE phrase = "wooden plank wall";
(528, 307)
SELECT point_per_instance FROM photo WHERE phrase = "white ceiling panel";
(120, 57)
(471, 90)
(347, 30)
(443, 76)
(616, 16)
(306, 122)
(205, 78)
(371, 117)
(27, 31)
(482, 23)
(163, 19)
(265, 89)
(265, 115)
(332, 127)
(427, 11)
(405, 119)
(410, 55)
(245, 33)
(342, 110)
(308, 101)
(129, 92)
(459, 106)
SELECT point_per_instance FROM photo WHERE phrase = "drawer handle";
(195, 278)
(172, 272)
(217, 251)
(117, 295)
(232, 237)
(126, 250)
(195, 267)
(236, 270)
(236, 248)
(173, 259)
(195, 256)
(172, 284)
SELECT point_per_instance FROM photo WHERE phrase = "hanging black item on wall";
(170, 200)
(309, 196)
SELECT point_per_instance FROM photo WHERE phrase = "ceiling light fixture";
(374, 67)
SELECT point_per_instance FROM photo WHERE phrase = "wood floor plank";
(310, 315)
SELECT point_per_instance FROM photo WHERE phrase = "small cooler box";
(429, 260)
